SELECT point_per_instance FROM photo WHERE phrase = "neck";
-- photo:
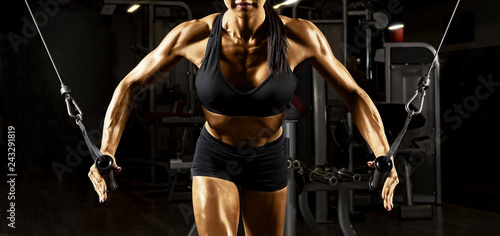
(243, 26)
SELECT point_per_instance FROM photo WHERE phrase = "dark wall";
(470, 115)
(469, 95)
(475, 23)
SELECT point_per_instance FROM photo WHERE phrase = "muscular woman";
(247, 58)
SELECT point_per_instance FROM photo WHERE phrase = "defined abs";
(244, 130)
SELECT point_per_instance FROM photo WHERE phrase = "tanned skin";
(217, 202)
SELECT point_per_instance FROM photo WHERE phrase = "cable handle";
(104, 164)
(383, 166)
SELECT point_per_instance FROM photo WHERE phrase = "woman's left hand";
(389, 186)
(388, 190)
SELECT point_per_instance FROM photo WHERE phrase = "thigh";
(216, 206)
(263, 213)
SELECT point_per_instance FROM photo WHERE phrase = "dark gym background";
(53, 194)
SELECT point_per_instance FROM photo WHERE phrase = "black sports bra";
(270, 98)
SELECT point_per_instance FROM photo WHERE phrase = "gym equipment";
(376, 180)
(103, 163)
(412, 211)
(327, 177)
(383, 164)
(346, 175)
(331, 175)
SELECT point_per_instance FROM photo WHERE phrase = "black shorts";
(262, 168)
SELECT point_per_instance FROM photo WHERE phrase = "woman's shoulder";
(198, 26)
(192, 31)
(297, 24)
(299, 29)
(207, 20)
(302, 31)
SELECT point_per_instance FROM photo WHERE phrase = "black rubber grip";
(104, 164)
(382, 167)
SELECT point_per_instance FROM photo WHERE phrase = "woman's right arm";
(177, 44)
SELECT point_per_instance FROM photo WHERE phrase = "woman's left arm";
(363, 111)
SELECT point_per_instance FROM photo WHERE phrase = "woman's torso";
(243, 65)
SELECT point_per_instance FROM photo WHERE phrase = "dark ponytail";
(277, 43)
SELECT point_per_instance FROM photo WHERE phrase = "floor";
(46, 206)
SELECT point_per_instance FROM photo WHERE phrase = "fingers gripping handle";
(382, 168)
(383, 164)
(104, 164)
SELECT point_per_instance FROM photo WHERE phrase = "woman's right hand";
(98, 181)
